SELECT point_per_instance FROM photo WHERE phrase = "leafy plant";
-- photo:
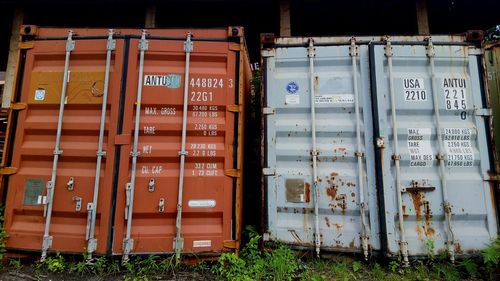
(231, 267)
(53, 264)
(447, 272)
(430, 248)
(394, 266)
(377, 272)
(491, 255)
(356, 266)
(15, 264)
(282, 263)
(3, 234)
(470, 267)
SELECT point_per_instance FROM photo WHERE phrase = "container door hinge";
(234, 47)
(268, 111)
(269, 171)
(231, 244)
(233, 108)
(7, 171)
(492, 177)
(234, 173)
(18, 106)
(482, 112)
(26, 45)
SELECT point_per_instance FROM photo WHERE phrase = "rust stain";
(353, 194)
(333, 174)
(308, 192)
(351, 245)
(327, 222)
(417, 198)
(351, 184)
(338, 227)
(332, 192)
(404, 211)
(429, 231)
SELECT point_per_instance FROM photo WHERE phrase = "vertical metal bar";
(47, 239)
(128, 242)
(450, 237)
(403, 244)
(92, 207)
(365, 230)
(311, 53)
(179, 241)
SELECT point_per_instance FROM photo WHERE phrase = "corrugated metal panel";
(459, 136)
(217, 86)
(289, 186)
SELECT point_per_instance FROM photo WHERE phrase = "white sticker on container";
(170, 81)
(458, 146)
(39, 94)
(202, 243)
(292, 99)
(455, 93)
(201, 203)
(414, 89)
(419, 146)
(335, 99)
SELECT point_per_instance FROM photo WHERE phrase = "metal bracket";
(188, 44)
(70, 44)
(101, 153)
(388, 47)
(415, 187)
(483, 112)
(128, 245)
(179, 243)
(71, 183)
(380, 143)
(151, 185)
(269, 171)
(161, 205)
(268, 111)
(143, 43)
(430, 48)
(47, 242)
(128, 189)
(5, 171)
(311, 51)
(18, 106)
(111, 44)
(353, 49)
(183, 153)
(78, 203)
(90, 209)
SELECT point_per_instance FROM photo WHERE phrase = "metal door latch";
(161, 205)
(90, 209)
(71, 183)
(128, 189)
(78, 203)
(151, 185)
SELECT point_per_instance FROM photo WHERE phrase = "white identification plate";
(201, 203)
(202, 243)
(414, 89)
(455, 93)
(419, 146)
(335, 99)
(458, 146)
(292, 99)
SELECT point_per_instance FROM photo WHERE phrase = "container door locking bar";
(92, 207)
(47, 238)
(365, 229)
(403, 244)
(311, 53)
(179, 241)
(450, 236)
(128, 242)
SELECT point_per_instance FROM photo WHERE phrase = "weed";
(15, 264)
(447, 272)
(377, 272)
(282, 263)
(491, 255)
(53, 264)
(429, 248)
(394, 266)
(470, 267)
(3, 234)
(356, 266)
(231, 267)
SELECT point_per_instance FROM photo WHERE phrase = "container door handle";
(47, 238)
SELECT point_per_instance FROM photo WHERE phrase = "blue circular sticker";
(292, 87)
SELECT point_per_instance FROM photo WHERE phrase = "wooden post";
(150, 21)
(422, 18)
(13, 59)
(285, 29)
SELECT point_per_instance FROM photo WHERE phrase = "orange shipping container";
(56, 143)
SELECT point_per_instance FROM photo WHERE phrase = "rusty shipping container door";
(328, 203)
(432, 130)
(135, 212)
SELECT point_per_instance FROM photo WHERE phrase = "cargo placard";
(419, 146)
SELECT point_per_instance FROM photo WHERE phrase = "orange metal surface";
(213, 170)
